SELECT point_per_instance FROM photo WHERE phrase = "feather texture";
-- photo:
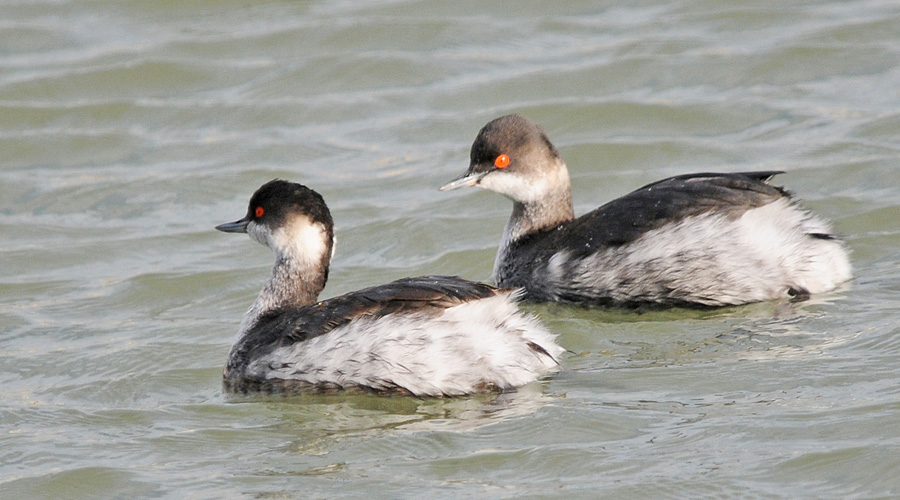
(705, 239)
(427, 336)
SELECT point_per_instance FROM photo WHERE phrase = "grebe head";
(514, 157)
(290, 219)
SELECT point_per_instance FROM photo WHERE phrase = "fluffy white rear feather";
(476, 345)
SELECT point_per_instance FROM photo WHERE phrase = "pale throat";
(302, 256)
(539, 203)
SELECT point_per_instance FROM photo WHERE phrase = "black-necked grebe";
(709, 239)
(426, 336)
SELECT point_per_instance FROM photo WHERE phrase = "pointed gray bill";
(465, 180)
(238, 226)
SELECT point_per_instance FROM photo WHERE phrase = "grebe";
(696, 240)
(425, 336)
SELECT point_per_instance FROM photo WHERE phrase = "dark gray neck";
(543, 203)
(294, 282)
(533, 217)
(529, 218)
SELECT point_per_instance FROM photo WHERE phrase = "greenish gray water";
(129, 129)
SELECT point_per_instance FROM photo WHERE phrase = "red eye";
(260, 211)
(501, 161)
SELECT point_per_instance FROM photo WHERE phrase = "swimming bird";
(695, 240)
(425, 336)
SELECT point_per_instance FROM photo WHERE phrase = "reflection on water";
(336, 417)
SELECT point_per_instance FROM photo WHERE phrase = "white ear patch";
(301, 239)
(511, 185)
(535, 186)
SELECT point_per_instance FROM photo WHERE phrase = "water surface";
(129, 129)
